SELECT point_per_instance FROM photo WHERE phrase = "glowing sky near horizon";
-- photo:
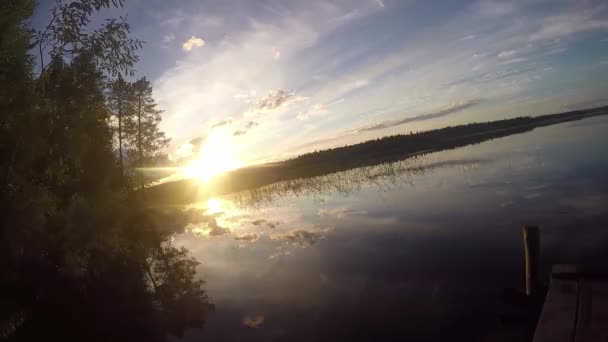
(278, 78)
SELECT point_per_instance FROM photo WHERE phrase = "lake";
(418, 250)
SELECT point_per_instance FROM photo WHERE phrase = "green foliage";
(78, 249)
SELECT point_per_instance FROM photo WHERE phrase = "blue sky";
(278, 78)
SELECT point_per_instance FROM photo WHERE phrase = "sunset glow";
(303, 170)
(216, 156)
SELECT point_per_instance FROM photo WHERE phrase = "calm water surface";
(418, 250)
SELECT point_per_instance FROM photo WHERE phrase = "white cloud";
(192, 43)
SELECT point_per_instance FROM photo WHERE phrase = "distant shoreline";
(373, 152)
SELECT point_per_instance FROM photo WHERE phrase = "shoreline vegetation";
(82, 257)
(369, 153)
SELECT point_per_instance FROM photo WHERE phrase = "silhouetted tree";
(78, 253)
(144, 135)
(121, 100)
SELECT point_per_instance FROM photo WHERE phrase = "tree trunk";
(120, 138)
(141, 153)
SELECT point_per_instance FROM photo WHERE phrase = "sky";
(271, 79)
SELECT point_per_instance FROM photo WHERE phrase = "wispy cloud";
(340, 212)
(277, 98)
(299, 72)
(496, 7)
(167, 40)
(513, 60)
(565, 25)
(507, 53)
(440, 113)
(225, 81)
(266, 223)
(198, 141)
(316, 110)
(246, 127)
(223, 122)
(251, 124)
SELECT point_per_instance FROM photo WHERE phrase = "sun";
(216, 156)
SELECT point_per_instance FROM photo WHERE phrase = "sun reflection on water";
(214, 206)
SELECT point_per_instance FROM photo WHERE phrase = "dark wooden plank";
(567, 271)
(585, 306)
(558, 318)
(592, 319)
(532, 258)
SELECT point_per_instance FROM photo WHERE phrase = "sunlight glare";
(215, 157)
(214, 206)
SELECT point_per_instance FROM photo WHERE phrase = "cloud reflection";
(247, 237)
(209, 229)
(253, 322)
(300, 237)
(264, 222)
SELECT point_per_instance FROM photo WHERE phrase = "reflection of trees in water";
(382, 177)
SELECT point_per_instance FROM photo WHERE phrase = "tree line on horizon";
(377, 151)
(404, 144)
(82, 257)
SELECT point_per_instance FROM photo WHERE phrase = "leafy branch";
(69, 34)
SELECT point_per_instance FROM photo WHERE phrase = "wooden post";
(532, 253)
